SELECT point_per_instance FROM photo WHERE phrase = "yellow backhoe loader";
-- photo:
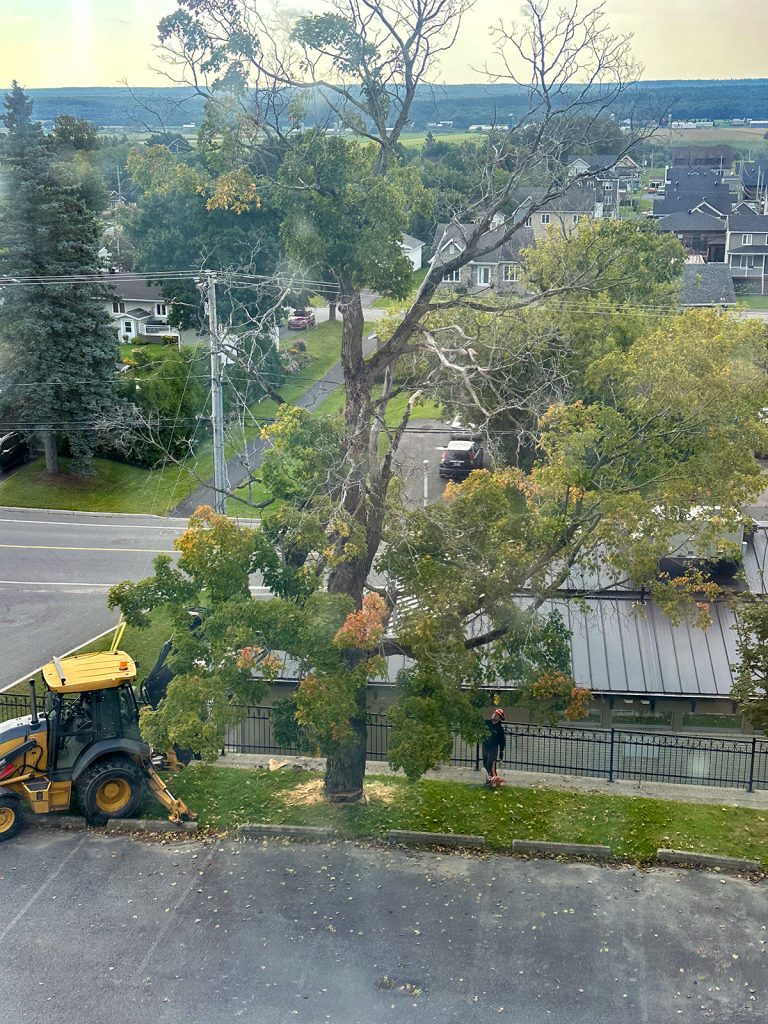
(86, 742)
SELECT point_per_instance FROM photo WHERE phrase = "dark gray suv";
(14, 450)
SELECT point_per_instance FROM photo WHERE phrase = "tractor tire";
(10, 817)
(114, 787)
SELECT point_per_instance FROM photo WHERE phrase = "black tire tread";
(11, 800)
(92, 777)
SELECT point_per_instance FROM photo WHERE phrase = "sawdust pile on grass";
(310, 793)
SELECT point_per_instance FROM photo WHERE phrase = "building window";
(509, 273)
(452, 277)
(127, 327)
(746, 239)
(483, 275)
(574, 218)
(160, 308)
(118, 307)
(528, 221)
(545, 218)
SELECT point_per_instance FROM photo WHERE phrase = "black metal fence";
(686, 759)
(13, 705)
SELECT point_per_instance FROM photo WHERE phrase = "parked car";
(14, 450)
(301, 319)
(460, 458)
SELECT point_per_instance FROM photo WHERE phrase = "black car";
(460, 458)
(14, 450)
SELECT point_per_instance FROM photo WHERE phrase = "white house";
(413, 249)
(138, 309)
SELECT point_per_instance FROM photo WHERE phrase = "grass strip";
(634, 827)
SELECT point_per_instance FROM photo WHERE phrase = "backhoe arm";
(177, 809)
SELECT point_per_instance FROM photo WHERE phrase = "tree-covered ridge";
(463, 104)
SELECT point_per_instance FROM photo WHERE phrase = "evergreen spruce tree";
(58, 350)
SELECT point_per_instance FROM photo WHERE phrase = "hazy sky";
(101, 42)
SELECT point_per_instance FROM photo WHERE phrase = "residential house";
(706, 284)
(747, 251)
(720, 157)
(701, 233)
(499, 269)
(615, 178)
(579, 202)
(413, 249)
(703, 191)
(138, 309)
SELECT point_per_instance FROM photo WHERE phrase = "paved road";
(55, 570)
(115, 930)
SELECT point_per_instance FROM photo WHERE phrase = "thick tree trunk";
(331, 310)
(345, 772)
(51, 452)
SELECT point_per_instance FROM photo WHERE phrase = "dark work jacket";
(495, 739)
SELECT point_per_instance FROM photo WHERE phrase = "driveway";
(115, 930)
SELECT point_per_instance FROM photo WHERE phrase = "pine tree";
(58, 350)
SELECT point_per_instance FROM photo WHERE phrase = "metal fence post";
(752, 765)
(477, 757)
(610, 762)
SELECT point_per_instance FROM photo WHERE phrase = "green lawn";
(416, 278)
(427, 410)
(753, 301)
(117, 487)
(634, 827)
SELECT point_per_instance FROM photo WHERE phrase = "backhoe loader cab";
(86, 741)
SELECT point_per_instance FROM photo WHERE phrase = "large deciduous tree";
(59, 350)
(627, 460)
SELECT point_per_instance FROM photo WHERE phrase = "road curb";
(687, 858)
(398, 837)
(70, 821)
(99, 515)
(156, 826)
(562, 849)
(263, 831)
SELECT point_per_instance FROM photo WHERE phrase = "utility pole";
(217, 404)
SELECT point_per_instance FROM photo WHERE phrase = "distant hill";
(129, 108)
(462, 104)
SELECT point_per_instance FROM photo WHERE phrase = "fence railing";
(686, 759)
(13, 705)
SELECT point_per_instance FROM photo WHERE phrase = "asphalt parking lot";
(109, 929)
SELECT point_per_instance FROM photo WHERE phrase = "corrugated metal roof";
(621, 647)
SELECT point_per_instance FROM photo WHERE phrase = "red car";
(301, 320)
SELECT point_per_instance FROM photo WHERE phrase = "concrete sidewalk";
(569, 783)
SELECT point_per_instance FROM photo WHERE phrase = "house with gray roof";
(615, 177)
(579, 202)
(413, 249)
(701, 233)
(707, 284)
(138, 309)
(499, 269)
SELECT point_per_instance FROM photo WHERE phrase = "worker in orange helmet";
(493, 748)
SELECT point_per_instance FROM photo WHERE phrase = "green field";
(741, 138)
